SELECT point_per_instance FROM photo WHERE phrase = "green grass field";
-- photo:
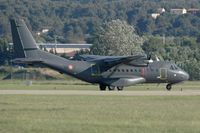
(99, 114)
(79, 85)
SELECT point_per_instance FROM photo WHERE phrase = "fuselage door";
(95, 70)
(163, 73)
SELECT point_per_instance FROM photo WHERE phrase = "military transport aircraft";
(107, 71)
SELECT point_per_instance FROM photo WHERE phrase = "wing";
(94, 58)
(107, 62)
(129, 60)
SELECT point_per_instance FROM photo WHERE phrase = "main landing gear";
(102, 87)
(169, 87)
(110, 88)
(120, 88)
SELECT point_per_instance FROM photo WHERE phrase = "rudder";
(23, 41)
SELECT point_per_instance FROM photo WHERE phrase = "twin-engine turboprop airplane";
(107, 71)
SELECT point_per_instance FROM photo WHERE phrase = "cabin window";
(135, 70)
(122, 70)
(173, 67)
(127, 70)
(118, 70)
(131, 70)
(95, 70)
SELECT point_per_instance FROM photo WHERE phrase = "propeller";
(149, 58)
(157, 59)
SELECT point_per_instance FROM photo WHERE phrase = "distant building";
(158, 13)
(161, 10)
(42, 32)
(178, 11)
(68, 49)
(193, 10)
(45, 30)
(38, 33)
(155, 15)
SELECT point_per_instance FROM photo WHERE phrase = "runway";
(101, 93)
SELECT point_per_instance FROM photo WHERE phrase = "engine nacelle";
(139, 63)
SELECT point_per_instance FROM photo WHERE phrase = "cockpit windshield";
(174, 67)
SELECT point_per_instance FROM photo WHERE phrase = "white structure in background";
(68, 49)
(161, 10)
(45, 30)
(42, 32)
(193, 10)
(155, 15)
(158, 13)
(38, 33)
(178, 11)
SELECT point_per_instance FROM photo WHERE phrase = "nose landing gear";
(169, 87)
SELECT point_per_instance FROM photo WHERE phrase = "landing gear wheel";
(169, 87)
(120, 88)
(102, 87)
(111, 88)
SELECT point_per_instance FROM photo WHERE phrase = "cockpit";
(174, 67)
(176, 74)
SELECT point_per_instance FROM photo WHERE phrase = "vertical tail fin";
(23, 41)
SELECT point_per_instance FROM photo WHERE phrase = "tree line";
(73, 20)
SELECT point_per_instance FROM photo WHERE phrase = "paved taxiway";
(100, 93)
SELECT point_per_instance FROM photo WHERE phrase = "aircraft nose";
(185, 76)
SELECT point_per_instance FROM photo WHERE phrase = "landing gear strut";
(169, 87)
(102, 87)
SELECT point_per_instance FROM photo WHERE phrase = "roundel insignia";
(70, 67)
